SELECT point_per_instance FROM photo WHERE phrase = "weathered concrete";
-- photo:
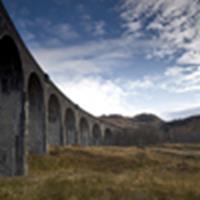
(33, 112)
(96, 135)
(71, 130)
(36, 112)
(108, 137)
(54, 131)
(84, 132)
(11, 108)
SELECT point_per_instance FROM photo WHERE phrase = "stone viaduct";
(33, 112)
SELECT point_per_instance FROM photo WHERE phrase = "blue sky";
(117, 56)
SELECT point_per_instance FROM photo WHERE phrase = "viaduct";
(33, 112)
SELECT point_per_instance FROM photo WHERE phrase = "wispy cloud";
(50, 33)
(87, 58)
(183, 113)
(85, 69)
(172, 25)
(99, 28)
(182, 80)
(190, 57)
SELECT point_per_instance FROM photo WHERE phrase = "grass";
(190, 147)
(104, 173)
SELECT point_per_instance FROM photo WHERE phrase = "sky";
(117, 56)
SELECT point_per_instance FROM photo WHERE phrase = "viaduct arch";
(54, 131)
(34, 113)
(84, 132)
(11, 108)
(71, 131)
(96, 135)
(108, 137)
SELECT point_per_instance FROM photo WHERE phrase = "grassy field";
(168, 172)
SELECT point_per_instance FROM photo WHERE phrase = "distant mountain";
(118, 120)
(146, 129)
(184, 130)
(147, 119)
(134, 122)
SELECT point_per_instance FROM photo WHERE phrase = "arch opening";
(84, 132)
(108, 137)
(71, 132)
(11, 109)
(36, 112)
(96, 135)
(54, 121)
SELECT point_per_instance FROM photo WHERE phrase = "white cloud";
(191, 57)
(181, 80)
(99, 28)
(145, 83)
(173, 71)
(70, 69)
(134, 26)
(88, 58)
(178, 71)
(175, 23)
(64, 31)
(100, 96)
(96, 95)
(49, 31)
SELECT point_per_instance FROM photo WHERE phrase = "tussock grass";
(106, 173)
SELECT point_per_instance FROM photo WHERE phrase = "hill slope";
(135, 122)
(149, 129)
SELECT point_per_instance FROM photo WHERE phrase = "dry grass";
(106, 174)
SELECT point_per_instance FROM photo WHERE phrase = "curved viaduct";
(33, 112)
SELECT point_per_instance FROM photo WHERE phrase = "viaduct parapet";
(33, 112)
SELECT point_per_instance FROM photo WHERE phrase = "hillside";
(135, 122)
(162, 173)
(149, 129)
(185, 130)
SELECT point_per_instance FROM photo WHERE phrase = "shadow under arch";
(70, 123)
(36, 113)
(96, 135)
(54, 121)
(84, 132)
(108, 137)
(11, 109)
